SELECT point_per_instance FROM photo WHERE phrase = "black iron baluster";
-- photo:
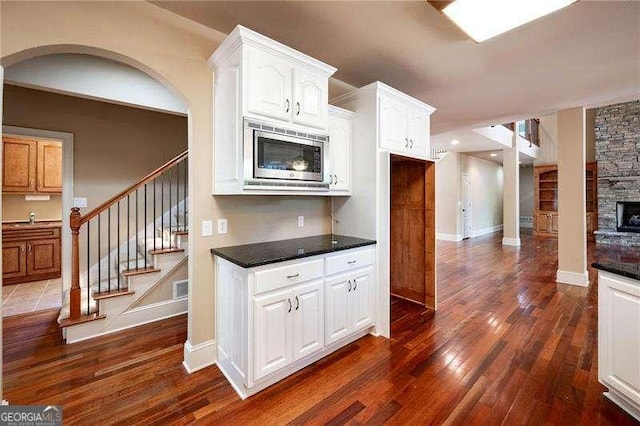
(186, 174)
(136, 246)
(162, 211)
(155, 231)
(177, 201)
(99, 270)
(128, 232)
(170, 173)
(145, 225)
(109, 249)
(88, 266)
(118, 265)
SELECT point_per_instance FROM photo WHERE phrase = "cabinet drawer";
(30, 234)
(284, 276)
(349, 260)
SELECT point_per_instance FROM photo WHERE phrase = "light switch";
(80, 202)
(207, 228)
(222, 226)
(300, 221)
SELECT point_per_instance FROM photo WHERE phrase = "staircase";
(438, 154)
(124, 249)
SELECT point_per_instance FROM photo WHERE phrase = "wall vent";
(180, 289)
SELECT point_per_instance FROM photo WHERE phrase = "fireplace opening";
(628, 216)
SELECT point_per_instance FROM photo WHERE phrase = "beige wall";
(163, 291)
(448, 177)
(14, 207)
(548, 153)
(113, 145)
(486, 192)
(526, 191)
(174, 50)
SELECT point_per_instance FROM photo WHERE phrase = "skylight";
(485, 19)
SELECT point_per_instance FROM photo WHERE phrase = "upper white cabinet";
(340, 133)
(310, 98)
(269, 85)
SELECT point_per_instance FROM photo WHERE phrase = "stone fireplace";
(618, 156)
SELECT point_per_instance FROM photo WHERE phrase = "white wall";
(94, 78)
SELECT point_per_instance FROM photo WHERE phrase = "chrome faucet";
(32, 218)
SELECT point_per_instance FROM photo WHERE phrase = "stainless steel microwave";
(279, 154)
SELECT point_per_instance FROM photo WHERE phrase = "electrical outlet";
(207, 228)
(222, 226)
(300, 221)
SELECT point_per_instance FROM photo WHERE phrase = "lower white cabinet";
(619, 340)
(275, 319)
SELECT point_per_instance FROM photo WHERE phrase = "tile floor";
(29, 297)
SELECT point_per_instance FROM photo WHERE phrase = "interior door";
(360, 300)
(310, 98)
(272, 332)
(19, 165)
(339, 137)
(337, 308)
(49, 170)
(14, 259)
(43, 257)
(268, 86)
(393, 125)
(308, 324)
(466, 205)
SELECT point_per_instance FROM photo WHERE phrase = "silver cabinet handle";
(22, 249)
(411, 140)
(29, 248)
(349, 285)
(335, 178)
(288, 105)
(355, 284)
(290, 277)
(297, 303)
(298, 105)
(352, 262)
(406, 144)
(289, 300)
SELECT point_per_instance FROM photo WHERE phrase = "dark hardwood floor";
(508, 346)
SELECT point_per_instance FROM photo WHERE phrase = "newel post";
(74, 295)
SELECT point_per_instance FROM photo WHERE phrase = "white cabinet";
(310, 98)
(340, 131)
(275, 319)
(619, 340)
(349, 304)
(268, 85)
(404, 128)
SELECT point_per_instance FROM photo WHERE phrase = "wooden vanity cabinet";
(30, 254)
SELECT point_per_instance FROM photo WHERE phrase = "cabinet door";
(393, 125)
(418, 132)
(272, 332)
(19, 165)
(553, 218)
(340, 146)
(337, 307)
(268, 86)
(49, 169)
(43, 257)
(14, 260)
(619, 336)
(310, 98)
(308, 323)
(542, 222)
(361, 300)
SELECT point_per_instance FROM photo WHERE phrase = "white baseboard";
(197, 357)
(449, 237)
(526, 225)
(511, 241)
(573, 278)
(487, 230)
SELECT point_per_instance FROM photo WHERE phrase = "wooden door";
(43, 257)
(361, 300)
(19, 165)
(308, 321)
(269, 84)
(413, 231)
(14, 260)
(49, 168)
(337, 307)
(272, 332)
(310, 98)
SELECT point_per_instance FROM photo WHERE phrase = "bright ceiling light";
(484, 19)
(455, 142)
(493, 154)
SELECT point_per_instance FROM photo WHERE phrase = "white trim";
(197, 357)
(449, 237)
(487, 230)
(573, 278)
(511, 242)
(67, 187)
(526, 225)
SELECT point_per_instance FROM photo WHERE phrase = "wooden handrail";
(148, 178)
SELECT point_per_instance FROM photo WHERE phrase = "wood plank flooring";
(508, 346)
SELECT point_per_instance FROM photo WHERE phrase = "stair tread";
(82, 319)
(139, 271)
(166, 250)
(112, 293)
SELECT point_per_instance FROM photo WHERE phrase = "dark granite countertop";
(629, 270)
(252, 255)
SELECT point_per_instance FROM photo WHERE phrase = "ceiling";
(585, 54)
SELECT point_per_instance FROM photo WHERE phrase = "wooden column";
(74, 295)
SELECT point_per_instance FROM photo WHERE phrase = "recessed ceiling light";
(493, 154)
(455, 142)
(484, 19)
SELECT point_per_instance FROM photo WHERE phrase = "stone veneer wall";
(618, 156)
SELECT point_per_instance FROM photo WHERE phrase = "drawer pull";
(349, 286)
(352, 262)
(297, 303)
(290, 277)
(355, 284)
(289, 300)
